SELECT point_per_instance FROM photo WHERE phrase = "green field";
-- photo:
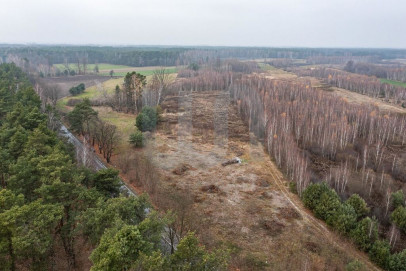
(90, 67)
(124, 122)
(146, 72)
(91, 92)
(119, 70)
(266, 67)
(395, 83)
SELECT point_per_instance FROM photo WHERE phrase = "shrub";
(365, 233)
(293, 187)
(312, 194)
(355, 265)
(398, 199)
(380, 253)
(397, 262)
(328, 206)
(77, 90)
(399, 218)
(137, 139)
(147, 119)
(359, 205)
(345, 219)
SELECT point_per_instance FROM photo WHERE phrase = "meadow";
(395, 83)
(90, 67)
(119, 70)
(106, 87)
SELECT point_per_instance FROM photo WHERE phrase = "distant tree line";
(46, 56)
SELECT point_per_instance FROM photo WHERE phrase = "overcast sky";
(299, 23)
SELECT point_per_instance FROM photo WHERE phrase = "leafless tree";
(161, 79)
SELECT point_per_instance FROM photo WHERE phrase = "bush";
(397, 262)
(380, 253)
(147, 119)
(77, 90)
(312, 194)
(365, 233)
(345, 219)
(398, 199)
(359, 205)
(355, 266)
(293, 187)
(399, 218)
(137, 139)
(328, 206)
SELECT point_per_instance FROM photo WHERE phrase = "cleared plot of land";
(246, 206)
(274, 73)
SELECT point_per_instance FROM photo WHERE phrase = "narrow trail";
(310, 219)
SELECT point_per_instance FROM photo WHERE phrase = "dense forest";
(55, 214)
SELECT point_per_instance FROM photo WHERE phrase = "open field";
(125, 124)
(65, 83)
(99, 90)
(90, 67)
(147, 71)
(274, 73)
(119, 70)
(395, 83)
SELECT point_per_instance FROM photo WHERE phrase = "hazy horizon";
(258, 23)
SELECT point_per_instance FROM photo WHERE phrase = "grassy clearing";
(266, 67)
(146, 72)
(104, 88)
(119, 70)
(125, 124)
(395, 83)
(90, 67)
